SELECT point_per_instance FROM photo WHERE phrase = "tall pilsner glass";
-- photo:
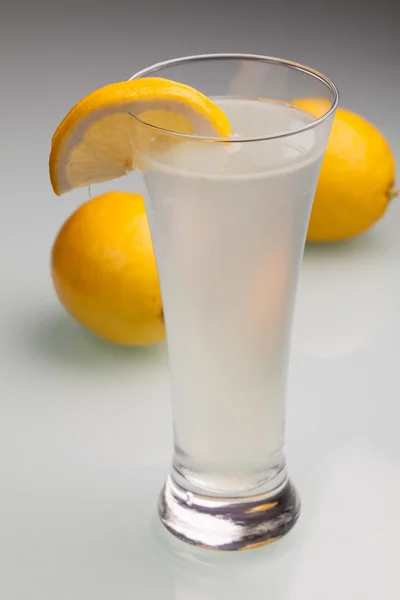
(228, 219)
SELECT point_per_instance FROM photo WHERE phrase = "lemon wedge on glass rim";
(94, 142)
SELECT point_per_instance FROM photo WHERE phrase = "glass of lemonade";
(228, 219)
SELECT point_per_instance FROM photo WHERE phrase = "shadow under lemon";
(53, 336)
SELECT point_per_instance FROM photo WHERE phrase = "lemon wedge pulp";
(94, 142)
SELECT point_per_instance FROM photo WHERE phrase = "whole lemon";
(357, 176)
(104, 270)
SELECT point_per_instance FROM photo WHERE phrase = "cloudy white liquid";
(228, 224)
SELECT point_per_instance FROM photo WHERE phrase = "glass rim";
(249, 57)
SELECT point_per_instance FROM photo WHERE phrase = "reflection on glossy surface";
(207, 575)
(349, 521)
(345, 297)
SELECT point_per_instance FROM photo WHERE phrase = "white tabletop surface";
(85, 435)
(85, 427)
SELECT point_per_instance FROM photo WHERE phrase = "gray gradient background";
(75, 413)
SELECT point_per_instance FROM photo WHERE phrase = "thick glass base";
(229, 523)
